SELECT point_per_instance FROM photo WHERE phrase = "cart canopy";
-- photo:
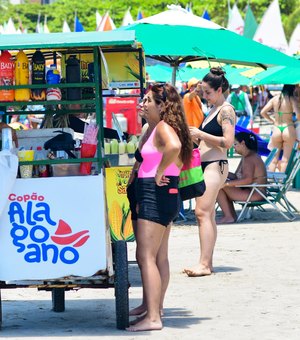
(67, 40)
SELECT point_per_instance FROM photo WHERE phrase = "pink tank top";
(151, 160)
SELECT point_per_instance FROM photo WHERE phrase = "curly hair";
(172, 113)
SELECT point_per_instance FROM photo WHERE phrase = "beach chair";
(270, 157)
(275, 191)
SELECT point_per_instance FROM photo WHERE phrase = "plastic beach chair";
(275, 194)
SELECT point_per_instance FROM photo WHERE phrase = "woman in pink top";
(166, 146)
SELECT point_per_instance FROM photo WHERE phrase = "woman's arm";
(167, 142)
(268, 108)
(227, 121)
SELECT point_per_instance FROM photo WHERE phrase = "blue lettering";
(46, 248)
(18, 233)
(33, 256)
(29, 213)
(45, 212)
(39, 234)
(15, 208)
(63, 255)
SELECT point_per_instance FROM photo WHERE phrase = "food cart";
(54, 231)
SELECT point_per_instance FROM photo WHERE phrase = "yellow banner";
(119, 214)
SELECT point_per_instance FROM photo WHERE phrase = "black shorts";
(131, 195)
(160, 204)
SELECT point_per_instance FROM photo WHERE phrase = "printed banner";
(119, 214)
(53, 227)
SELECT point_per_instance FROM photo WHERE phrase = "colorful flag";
(98, 18)
(294, 44)
(270, 31)
(140, 15)
(106, 23)
(250, 24)
(188, 7)
(46, 29)
(66, 27)
(38, 28)
(205, 15)
(236, 22)
(127, 20)
(78, 25)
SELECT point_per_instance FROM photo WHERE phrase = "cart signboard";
(53, 227)
(119, 214)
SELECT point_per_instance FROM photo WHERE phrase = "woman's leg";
(227, 208)
(205, 214)
(275, 142)
(163, 266)
(142, 308)
(149, 239)
(289, 138)
(164, 271)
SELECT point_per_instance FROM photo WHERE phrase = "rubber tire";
(121, 284)
(58, 299)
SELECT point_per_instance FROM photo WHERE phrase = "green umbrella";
(278, 75)
(177, 44)
(164, 73)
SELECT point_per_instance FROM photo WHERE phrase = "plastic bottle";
(73, 76)
(42, 169)
(6, 76)
(22, 76)
(53, 77)
(38, 69)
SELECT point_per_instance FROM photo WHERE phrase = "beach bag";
(191, 179)
(8, 174)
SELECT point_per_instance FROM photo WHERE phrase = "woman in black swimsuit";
(215, 136)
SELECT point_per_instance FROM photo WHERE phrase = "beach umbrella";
(177, 44)
(278, 75)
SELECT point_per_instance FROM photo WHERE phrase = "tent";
(176, 44)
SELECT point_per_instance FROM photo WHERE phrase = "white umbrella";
(176, 15)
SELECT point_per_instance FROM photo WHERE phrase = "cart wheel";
(58, 299)
(121, 284)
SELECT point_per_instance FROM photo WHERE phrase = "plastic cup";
(26, 170)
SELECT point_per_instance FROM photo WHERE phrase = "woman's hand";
(161, 179)
(195, 134)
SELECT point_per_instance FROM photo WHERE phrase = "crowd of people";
(175, 125)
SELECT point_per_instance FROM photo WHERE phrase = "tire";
(58, 299)
(121, 284)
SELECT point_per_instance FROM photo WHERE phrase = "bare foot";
(145, 325)
(198, 271)
(225, 220)
(137, 320)
(140, 310)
